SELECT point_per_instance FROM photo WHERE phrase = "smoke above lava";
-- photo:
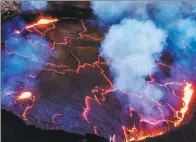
(132, 47)
(160, 26)
(33, 5)
(136, 42)
(22, 53)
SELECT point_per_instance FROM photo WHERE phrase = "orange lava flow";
(157, 127)
(188, 93)
(43, 21)
(136, 135)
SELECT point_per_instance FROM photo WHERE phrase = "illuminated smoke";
(135, 42)
(23, 55)
(113, 11)
(182, 38)
(132, 52)
(33, 5)
(110, 11)
(177, 19)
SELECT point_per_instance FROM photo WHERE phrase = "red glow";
(24, 115)
(95, 131)
(54, 117)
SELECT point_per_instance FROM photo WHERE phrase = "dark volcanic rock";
(15, 130)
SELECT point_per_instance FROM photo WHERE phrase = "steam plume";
(33, 5)
(22, 56)
(133, 45)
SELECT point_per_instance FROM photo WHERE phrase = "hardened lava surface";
(54, 78)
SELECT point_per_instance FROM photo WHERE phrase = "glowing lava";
(187, 95)
(188, 92)
(43, 21)
(135, 135)
(16, 31)
(24, 96)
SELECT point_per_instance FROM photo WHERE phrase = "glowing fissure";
(137, 134)
(43, 21)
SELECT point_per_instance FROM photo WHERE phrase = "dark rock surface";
(13, 129)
